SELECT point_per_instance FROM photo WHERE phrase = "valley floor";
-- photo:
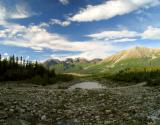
(136, 105)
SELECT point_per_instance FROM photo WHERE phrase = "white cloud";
(64, 2)
(27, 58)
(101, 50)
(43, 25)
(2, 12)
(18, 11)
(2, 15)
(94, 54)
(115, 36)
(151, 33)
(21, 11)
(39, 39)
(5, 54)
(122, 40)
(111, 9)
(59, 22)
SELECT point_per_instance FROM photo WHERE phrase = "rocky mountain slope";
(70, 65)
(134, 57)
(137, 52)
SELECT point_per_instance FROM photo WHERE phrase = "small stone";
(132, 108)
(6, 109)
(22, 110)
(3, 115)
(108, 111)
(125, 115)
(97, 117)
(150, 123)
(76, 121)
(23, 122)
(107, 122)
(43, 117)
(11, 110)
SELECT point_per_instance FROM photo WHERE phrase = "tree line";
(18, 69)
(149, 74)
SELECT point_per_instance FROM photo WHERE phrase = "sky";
(43, 29)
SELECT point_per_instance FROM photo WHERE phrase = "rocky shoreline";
(35, 106)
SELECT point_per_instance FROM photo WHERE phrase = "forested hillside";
(17, 68)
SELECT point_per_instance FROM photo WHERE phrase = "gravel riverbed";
(121, 106)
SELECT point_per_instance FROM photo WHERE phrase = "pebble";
(108, 111)
(11, 110)
(43, 117)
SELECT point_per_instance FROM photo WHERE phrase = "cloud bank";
(64, 2)
(19, 11)
(111, 9)
(59, 22)
(151, 33)
(38, 39)
(100, 45)
(123, 35)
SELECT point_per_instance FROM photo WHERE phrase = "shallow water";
(87, 85)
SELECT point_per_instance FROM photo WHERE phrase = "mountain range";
(134, 57)
(70, 65)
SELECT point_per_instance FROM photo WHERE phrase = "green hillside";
(135, 57)
(70, 65)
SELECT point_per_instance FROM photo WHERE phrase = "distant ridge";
(71, 61)
(70, 65)
(137, 52)
(134, 57)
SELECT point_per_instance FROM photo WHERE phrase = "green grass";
(112, 67)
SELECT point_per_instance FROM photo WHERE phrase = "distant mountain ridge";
(134, 57)
(137, 52)
(70, 60)
(69, 65)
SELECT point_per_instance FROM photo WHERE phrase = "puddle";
(87, 85)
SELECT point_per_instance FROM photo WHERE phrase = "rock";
(132, 109)
(11, 110)
(6, 109)
(107, 122)
(2, 121)
(43, 117)
(125, 115)
(150, 123)
(3, 115)
(75, 121)
(13, 122)
(23, 122)
(22, 110)
(97, 118)
(108, 111)
(18, 122)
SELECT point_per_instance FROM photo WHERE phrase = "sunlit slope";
(70, 65)
(134, 57)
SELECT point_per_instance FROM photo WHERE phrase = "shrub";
(139, 74)
(153, 82)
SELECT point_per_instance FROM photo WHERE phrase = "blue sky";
(42, 29)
